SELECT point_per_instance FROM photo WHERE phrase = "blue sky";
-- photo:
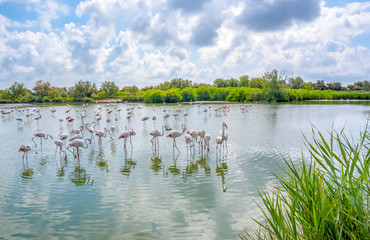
(147, 42)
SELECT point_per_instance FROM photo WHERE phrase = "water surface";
(110, 193)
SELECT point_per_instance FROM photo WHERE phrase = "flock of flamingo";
(77, 140)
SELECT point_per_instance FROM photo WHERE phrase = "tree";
(232, 82)
(84, 89)
(336, 86)
(109, 88)
(258, 83)
(244, 81)
(17, 90)
(180, 83)
(273, 79)
(296, 83)
(219, 82)
(319, 85)
(42, 88)
(131, 89)
(188, 94)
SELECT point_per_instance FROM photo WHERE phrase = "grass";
(326, 197)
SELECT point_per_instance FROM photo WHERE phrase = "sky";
(142, 43)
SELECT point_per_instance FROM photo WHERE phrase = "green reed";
(326, 197)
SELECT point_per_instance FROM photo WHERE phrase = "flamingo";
(41, 135)
(100, 134)
(207, 139)
(91, 129)
(189, 141)
(25, 149)
(224, 134)
(112, 131)
(124, 134)
(59, 143)
(175, 134)
(132, 133)
(144, 119)
(20, 120)
(155, 133)
(218, 141)
(201, 134)
(194, 134)
(77, 143)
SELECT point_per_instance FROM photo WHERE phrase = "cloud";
(187, 6)
(278, 15)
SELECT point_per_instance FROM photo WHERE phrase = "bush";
(154, 96)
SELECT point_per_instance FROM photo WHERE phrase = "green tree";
(181, 83)
(84, 89)
(154, 96)
(336, 86)
(17, 90)
(109, 88)
(296, 83)
(273, 79)
(258, 83)
(173, 95)
(232, 82)
(42, 89)
(219, 82)
(244, 81)
(164, 86)
(188, 94)
(131, 89)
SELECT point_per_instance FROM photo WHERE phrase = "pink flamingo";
(189, 141)
(25, 149)
(224, 134)
(132, 133)
(207, 139)
(175, 134)
(91, 129)
(155, 133)
(41, 135)
(77, 143)
(100, 134)
(60, 144)
(124, 134)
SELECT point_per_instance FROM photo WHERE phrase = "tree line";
(272, 86)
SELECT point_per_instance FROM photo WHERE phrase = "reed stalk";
(324, 197)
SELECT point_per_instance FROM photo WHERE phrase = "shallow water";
(116, 194)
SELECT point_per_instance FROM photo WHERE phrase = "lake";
(110, 193)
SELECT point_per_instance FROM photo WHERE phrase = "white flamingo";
(77, 143)
(41, 135)
(175, 134)
(101, 134)
(25, 149)
(125, 134)
(155, 133)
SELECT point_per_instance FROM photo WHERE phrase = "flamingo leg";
(34, 141)
(174, 142)
(71, 151)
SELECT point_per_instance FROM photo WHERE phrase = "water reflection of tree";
(27, 174)
(101, 162)
(128, 166)
(156, 163)
(221, 170)
(79, 177)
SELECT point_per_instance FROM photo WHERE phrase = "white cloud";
(145, 43)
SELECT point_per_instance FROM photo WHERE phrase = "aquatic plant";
(326, 197)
